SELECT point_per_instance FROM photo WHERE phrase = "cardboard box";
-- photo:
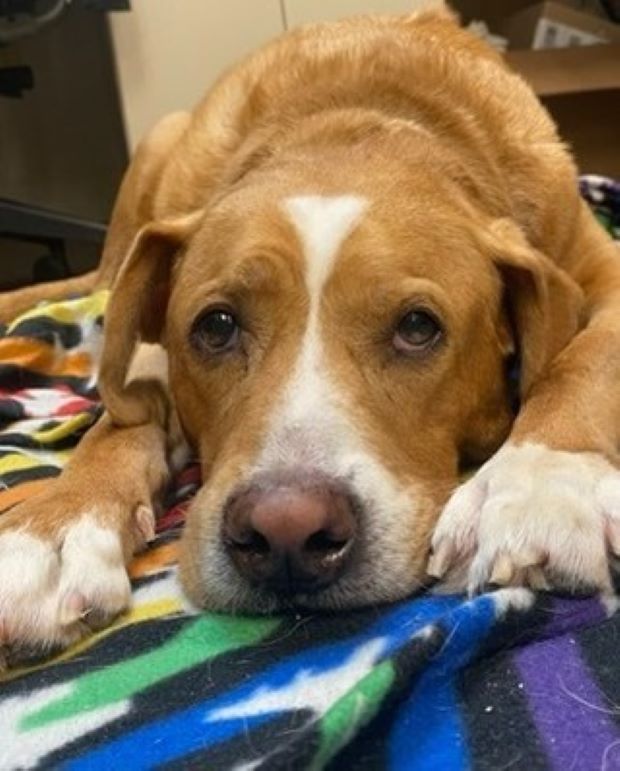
(576, 70)
(555, 25)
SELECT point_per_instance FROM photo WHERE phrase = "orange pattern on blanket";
(12, 495)
(154, 559)
(42, 357)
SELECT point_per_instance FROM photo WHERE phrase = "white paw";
(56, 585)
(532, 516)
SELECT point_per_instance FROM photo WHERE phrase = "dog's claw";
(72, 608)
(503, 571)
(536, 579)
(440, 560)
(145, 524)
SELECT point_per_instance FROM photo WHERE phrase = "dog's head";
(338, 330)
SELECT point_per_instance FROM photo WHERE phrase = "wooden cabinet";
(62, 144)
(581, 89)
(579, 86)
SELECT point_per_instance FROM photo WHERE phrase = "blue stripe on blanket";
(428, 732)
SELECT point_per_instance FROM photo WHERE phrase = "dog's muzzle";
(290, 534)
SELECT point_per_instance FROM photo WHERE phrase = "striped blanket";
(506, 680)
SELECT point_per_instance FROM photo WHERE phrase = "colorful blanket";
(506, 680)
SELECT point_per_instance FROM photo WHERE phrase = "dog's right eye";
(215, 331)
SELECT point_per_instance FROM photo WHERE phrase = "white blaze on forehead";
(310, 428)
(322, 224)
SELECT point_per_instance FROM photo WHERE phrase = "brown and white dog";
(319, 279)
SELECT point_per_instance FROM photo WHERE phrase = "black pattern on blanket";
(506, 680)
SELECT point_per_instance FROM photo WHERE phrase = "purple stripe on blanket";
(573, 719)
(568, 615)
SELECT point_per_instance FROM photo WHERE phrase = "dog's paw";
(531, 516)
(62, 575)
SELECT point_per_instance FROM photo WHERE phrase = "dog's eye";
(416, 332)
(215, 331)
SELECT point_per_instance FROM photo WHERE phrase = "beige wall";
(302, 11)
(167, 53)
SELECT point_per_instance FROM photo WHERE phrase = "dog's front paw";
(532, 516)
(62, 572)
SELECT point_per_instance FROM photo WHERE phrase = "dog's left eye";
(215, 331)
(417, 332)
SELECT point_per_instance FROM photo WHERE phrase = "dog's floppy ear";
(544, 304)
(136, 313)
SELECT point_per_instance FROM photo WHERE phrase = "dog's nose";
(290, 539)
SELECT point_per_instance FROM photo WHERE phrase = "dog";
(359, 266)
